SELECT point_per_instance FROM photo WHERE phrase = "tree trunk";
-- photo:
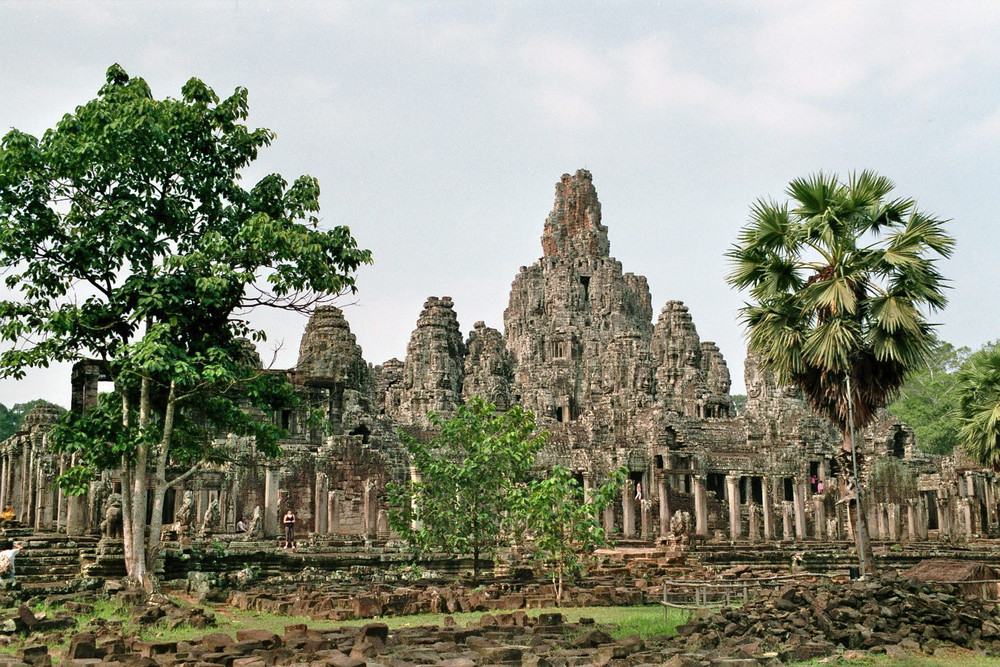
(160, 485)
(136, 535)
(866, 558)
(559, 586)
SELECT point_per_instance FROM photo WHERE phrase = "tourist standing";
(289, 522)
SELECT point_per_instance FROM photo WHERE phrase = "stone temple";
(613, 386)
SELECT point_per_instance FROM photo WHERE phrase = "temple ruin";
(611, 385)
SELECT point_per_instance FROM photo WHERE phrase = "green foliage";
(928, 400)
(128, 238)
(11, 419)
(839, 283)
(461, 501)
(979, 407)
(739, 403)
(561, 525)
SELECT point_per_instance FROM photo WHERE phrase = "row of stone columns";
(28, 483)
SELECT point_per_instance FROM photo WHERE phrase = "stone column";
(819, 517)
(322, 500)
(923, 524)
(700, 505)
(646, 517)
(371, 508)
(786, 520)
(61, 498)
(24, 511)
(767, 486)
(733, 498)
(76, 510)
(628, 516)
(333, 513)
(967, 517)
(3, 480)
(892, 510)
(753, 510)
(271, 481)
(911, 519)
(942, 511)
(609, 520)
(46, 496)
(798, 501)
(664, 505)
(588, 485)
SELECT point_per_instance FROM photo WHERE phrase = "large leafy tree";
(561, 523)
(979, 407)
(126, 236)
(928, 399)
(460, 501)
(840, 282)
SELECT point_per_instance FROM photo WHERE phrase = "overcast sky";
(438, 130)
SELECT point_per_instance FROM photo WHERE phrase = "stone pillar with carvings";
(322, 500)
(371, 507)
(333, 513)
(646, 518)
(819, 517)
(664, 489)
(271, 488)
(700, 505)
(786, 521)
(733, 498)
(628, 508)
(766, 508)
(799, 504)
(753, 511)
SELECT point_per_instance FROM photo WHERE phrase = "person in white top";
(9, 556)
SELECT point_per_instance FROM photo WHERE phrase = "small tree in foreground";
(562, 525)
(126, 237)
(460, 502)
(839, 287)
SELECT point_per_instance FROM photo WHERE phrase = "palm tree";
(840, 285)
(979, 407)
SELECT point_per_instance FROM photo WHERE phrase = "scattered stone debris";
(806, 620)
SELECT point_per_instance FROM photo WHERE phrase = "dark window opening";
(757, 490)
(585, 281)
(363, 432)
(899, 444)
(578, 478)
(716, 483)
(168, 505)
(742, 486)
(659, 462)
(286, 419)
(789, 489)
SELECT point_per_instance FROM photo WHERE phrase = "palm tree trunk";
(866, 558)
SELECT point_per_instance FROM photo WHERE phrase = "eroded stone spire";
(574, 227)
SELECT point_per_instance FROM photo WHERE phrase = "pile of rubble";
(504, 639)
(805, 620)
(338, 602)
